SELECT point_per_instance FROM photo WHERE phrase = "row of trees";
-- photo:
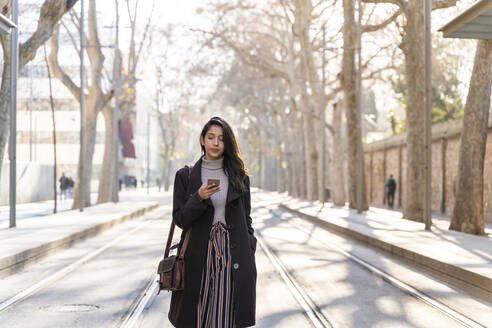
(99, 95)
(276, 82)
(61, 16)
(278, 66)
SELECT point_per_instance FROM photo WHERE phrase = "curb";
(472, 282)
(16, 262)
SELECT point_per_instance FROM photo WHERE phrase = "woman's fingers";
(208, 190)
(213, 190)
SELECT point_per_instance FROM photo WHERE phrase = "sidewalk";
(28, 211)
(464, 260)
(35, 238)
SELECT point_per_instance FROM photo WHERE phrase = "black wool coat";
(189, 211)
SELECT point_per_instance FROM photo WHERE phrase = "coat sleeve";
(185, 211)
(249, 220)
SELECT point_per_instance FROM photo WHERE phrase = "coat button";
(235, 266)
(233, 245)
(230, 226)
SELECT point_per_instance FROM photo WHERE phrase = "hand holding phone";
(207, 190)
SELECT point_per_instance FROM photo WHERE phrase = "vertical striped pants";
(215, 305)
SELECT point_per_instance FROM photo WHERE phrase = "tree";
(338, 183)
(468, 210)
(352, 113)
(95, 100)
(109, 179)
(412, 46)
(446, 99)
(50, 13)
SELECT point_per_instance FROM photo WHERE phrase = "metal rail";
(312, 311)
(460, 318)
(66, 270)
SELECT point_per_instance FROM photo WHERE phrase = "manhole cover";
(71, 308)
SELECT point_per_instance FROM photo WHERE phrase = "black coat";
(189, 211)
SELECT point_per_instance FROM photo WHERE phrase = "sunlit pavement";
(25, 211)
(333, 287)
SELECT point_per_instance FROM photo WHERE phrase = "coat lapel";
(196, 182)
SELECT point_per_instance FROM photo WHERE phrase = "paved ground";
(29, 211)
(102, 290)
(463, 258)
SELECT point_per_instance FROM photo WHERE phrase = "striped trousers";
(215, 305)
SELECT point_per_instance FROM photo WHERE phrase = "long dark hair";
(233, 159)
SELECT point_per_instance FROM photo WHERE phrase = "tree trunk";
(278, 155)
(289, 155)
(5, 98)
(90, 141)
(301, 26)
(468, 210)
(106, 180)
(168, 170)
(338, 184)
(413, 48)
(349, 84)
(263, 162)
(115, 195)
(288, 173)
(301, 158)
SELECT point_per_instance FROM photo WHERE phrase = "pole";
(428, 115)
(14, 52)
(359, 184)
(82, 112)
(30, 112)
(323, 119)
(148, 151)
(117, 67)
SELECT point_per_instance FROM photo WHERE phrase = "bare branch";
(143, 39)
(374, 73)
(383, 24)
(440, 4)
(72, 38)
(400, 3)
(248, 58)
(49, 15)
(57, 70)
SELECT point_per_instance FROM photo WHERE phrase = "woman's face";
(213, 142)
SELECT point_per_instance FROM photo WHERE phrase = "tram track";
(307, 303)
(300, 292)
(312, 312)
(393, 281)
(59, 274)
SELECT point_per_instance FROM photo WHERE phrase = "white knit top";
(213, 169)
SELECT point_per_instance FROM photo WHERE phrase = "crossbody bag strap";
(171, 232)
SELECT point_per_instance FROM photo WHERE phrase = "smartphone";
(213, 182)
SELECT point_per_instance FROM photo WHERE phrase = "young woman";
(220, 269)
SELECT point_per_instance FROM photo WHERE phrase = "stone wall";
(388, 156)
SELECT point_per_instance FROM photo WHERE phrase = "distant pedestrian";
(134, 182)
(390, 185)
(120, 184)
(63, 186)
(212, 205)
(158, 183)
(70, 187)
(142, 182)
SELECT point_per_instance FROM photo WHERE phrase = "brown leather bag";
(171, 268)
